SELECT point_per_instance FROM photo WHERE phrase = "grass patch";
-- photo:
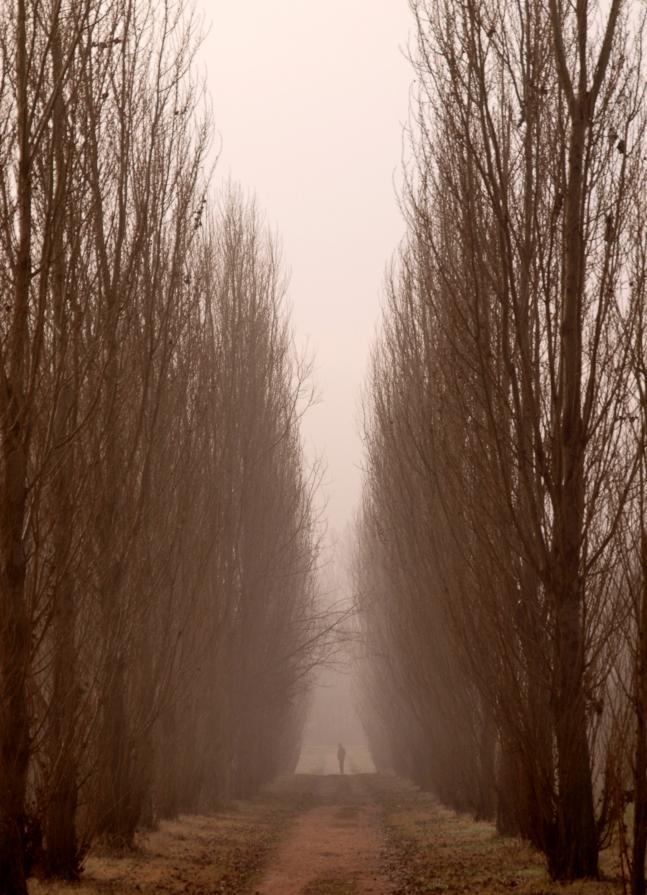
(225, 851)
(430, 848)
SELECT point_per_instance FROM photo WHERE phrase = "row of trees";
(501, 558)
(158, 618)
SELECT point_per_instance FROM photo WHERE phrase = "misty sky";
(309, 99)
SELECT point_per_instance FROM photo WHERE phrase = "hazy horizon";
(309, 103)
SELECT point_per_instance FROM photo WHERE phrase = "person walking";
(341, 757)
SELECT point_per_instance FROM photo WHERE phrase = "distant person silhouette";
(341, 757)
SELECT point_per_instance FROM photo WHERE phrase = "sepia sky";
(309, 99)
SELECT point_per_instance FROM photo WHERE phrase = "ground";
(320, 833)
(335, 847)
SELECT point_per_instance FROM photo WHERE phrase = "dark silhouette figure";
(341, 757)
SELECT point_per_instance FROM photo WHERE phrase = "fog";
(308, 99)
(246, 475)
(332, 719)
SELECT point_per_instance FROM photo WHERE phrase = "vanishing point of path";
(334, 846)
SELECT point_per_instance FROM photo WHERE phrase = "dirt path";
(334, 847)
(308, 834)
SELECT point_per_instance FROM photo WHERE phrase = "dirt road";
(326, 834)
(334, 846)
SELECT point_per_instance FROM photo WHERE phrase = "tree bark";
(61, 847)
(14, 624)
(575, 853)
(640, 760)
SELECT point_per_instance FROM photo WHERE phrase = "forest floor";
(327, 834)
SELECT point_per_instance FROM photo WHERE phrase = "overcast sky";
(309, 99)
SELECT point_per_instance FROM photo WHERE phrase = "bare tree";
(158, 540)
(498, 416)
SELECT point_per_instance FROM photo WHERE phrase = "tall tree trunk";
(61, 847)
(640, 759)
(576, 851)
(118, 813)
(14, 660)
(114, 810)
(14, 623)
(509, 798)
(486, 805)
